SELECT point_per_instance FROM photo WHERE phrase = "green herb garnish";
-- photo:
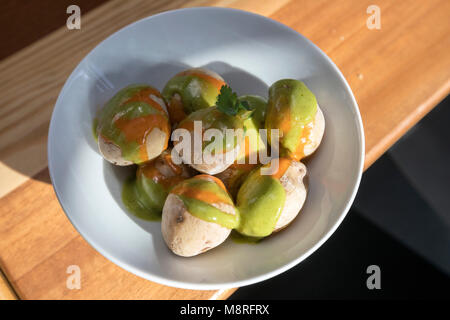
(228, 103)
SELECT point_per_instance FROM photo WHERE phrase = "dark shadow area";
(337, 270)
(23, 22)
(388, 200)
(240, 80)
(399, 222)
(406, 192)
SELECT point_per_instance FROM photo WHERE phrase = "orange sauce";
(243, 166)
(174, 167)
(105, 138)
(201, 195)
(214, 81)
(150, 171)
(213, 179)
(247, 166)
(188, 125)
(285, 124)
(247, 147)
(144, 96)
(299, 153)
(137, 129)
(176, 110)
(283, 165)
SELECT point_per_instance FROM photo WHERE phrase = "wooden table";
(398, 74)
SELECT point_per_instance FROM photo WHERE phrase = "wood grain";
(6, 292)
(397, 73)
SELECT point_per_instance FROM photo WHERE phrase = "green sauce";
(291, 106)
(253, 124)
(240, 238)
(199, 195)
(94, 128)
(259, 107)
(196, 93)
(212, 118)
(248, 156)
(207, 212)
(135, 201)
(151, 194)
(260, 201)
(151, 185)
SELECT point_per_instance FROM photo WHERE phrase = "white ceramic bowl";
(250, 52)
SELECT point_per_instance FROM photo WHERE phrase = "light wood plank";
(6, 292)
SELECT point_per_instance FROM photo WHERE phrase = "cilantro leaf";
(228, 103)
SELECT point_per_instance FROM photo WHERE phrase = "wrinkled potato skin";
(292, 182)
(187, 235)
(316, 133)
(111, 153)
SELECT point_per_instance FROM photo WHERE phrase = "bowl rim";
(219, 285)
